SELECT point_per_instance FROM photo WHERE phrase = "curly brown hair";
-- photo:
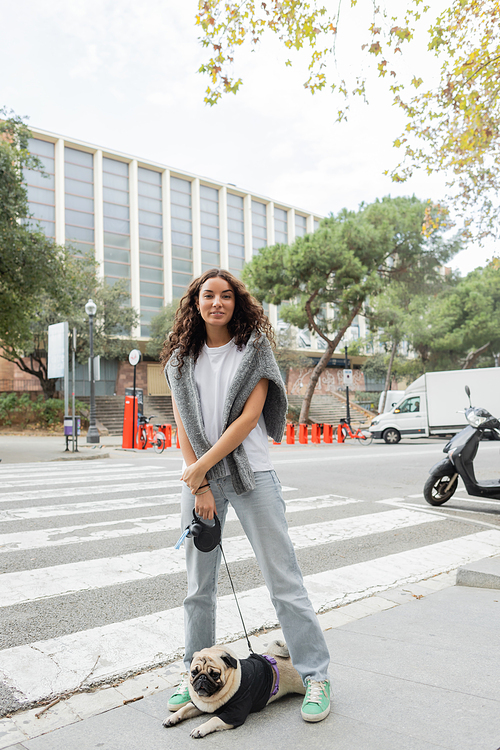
(189, 333)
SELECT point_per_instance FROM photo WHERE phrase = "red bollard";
(340, 434)
(303, 435)
(315, 433)
(328, 433)
(290, 434)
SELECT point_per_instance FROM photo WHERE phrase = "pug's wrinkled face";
(210, 672)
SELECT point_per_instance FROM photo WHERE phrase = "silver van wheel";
(392, 436)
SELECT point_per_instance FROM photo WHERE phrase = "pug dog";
(231, 688)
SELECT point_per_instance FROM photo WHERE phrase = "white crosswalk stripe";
(44, 510)
(36, 584)
(47, 668)
(97, 506)
(130, 526)
(98, 477)
(88, 491)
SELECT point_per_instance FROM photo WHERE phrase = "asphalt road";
(86, 545)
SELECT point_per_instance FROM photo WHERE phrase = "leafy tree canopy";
(28, 260)
(461, 324)
(326, 277)
(452, 126)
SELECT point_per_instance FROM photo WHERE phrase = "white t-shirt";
(214, 371)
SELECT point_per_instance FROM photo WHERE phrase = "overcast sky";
(122, 75)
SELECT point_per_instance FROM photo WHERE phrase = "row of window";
(79, 180)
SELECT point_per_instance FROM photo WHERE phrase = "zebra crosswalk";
(119, 533)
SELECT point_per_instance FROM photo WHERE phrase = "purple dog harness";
(273, 663)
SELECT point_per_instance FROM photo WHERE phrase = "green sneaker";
(316, 705)
(181, 695)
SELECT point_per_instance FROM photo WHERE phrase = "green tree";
(394, 310)
(29, 262)
(327, 276)
(77, 281)
(452, 126)
(461, 325)
(161, 325)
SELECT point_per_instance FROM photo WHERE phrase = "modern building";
(152, 225)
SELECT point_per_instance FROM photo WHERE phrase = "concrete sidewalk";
(28, 448)
(414, 668)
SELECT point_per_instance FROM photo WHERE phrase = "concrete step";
(109, 410)
(331, 409)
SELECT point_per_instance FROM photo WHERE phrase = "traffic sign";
(347, 377)
(134, 357)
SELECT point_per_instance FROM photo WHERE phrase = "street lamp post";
(93, 433)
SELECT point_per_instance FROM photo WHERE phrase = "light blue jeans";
(261, 512)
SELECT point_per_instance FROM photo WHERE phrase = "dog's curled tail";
(278, 648)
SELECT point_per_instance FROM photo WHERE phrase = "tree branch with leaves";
(453, 126)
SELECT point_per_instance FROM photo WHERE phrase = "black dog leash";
(236, 600)
(206, 538)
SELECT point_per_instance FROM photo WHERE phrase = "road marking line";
(60, 580)
(75, 467)
(48, 668)
(76, 491)
(97, 506)
(105, 506)
(90, 479)
(55, 537)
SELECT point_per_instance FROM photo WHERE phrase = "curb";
(484, 574)
(72, 457)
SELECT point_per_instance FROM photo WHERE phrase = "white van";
(393, 398)
(431, 405)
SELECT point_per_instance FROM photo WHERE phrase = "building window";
(79, 199)
(235, 233)
(116, 221)
(316, 224)
(209, 216)
(40, 187)
(300, 225)
(182, 235)
(150, 246)
(280, 226)
(259, 226)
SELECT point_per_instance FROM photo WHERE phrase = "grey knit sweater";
(257, 362)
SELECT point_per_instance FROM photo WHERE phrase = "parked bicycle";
(362, 435)
(148, 435)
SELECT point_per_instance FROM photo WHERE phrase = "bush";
(293, 413)
(22, 411)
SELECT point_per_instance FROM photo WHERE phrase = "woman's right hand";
(204, 505)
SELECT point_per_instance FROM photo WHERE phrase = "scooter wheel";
(435, 491)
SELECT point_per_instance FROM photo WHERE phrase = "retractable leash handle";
(206, 536)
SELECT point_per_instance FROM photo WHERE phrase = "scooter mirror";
(467, 390)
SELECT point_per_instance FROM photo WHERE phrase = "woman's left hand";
(194, 476)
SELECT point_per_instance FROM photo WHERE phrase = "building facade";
(151, 225)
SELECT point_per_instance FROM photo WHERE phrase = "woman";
(228, 396)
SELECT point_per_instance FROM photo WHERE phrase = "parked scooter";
(462, 449)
